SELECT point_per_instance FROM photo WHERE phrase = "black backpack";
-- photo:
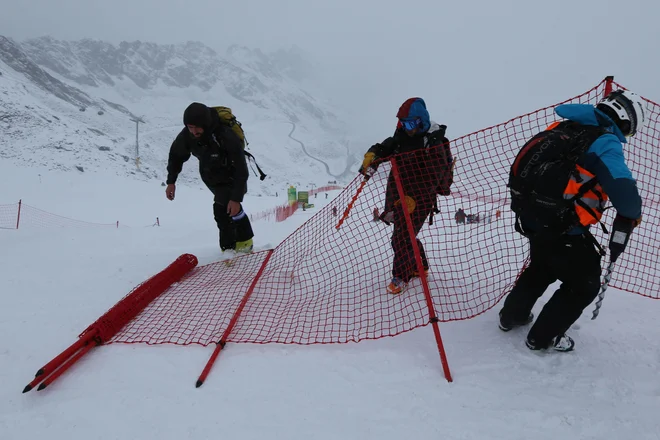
(439, 139)
(540, 174)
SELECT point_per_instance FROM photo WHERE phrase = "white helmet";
(626, 109)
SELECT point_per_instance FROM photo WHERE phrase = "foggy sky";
(476, 63)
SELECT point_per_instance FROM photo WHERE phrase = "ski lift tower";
(137, 121)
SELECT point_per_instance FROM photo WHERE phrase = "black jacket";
(221, 158)
(425, 171)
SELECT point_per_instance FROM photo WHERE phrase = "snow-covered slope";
(70, 105)
(55, 283)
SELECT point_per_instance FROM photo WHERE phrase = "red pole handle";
(350, 205)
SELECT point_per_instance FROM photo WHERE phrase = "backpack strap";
(434, 211)
(593, 240)
(577, 198)
(262, 175)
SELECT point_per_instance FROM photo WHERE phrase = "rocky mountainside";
(72, 105)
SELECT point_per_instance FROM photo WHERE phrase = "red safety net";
(8, 216)
(326, 282)
(283, 212)
(21, 215)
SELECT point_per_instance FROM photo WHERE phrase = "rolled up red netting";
(112, 321)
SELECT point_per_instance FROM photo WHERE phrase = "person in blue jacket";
(572, 258)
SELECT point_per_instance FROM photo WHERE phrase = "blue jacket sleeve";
(605, 159)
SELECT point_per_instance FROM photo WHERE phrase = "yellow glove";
(410, 204)
(369, 157)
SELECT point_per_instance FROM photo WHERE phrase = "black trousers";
(576, 263)
(404, 264)
(232, 229)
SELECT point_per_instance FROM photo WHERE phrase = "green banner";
(292, 195)
(303, 196)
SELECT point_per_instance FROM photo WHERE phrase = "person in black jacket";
(222, 167)
(425, 163)
(572, 257)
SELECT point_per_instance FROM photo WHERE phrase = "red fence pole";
(18, 218)
(232, 323)
(608, 85)
(58, 360)
(111, 322)
(433, 318)
(65, 366)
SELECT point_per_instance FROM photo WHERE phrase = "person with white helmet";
(626, 109)
(572, 256)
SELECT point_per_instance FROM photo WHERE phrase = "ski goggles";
(410, 124)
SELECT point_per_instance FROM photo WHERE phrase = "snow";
(56, 281)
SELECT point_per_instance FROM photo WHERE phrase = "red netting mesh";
(35, 217)
(8, 216)
(283, 212)
(636, 268)
(21, 215)
(325, 284)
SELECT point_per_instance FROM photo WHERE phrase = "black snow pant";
(576, 263)
(404, 264)
(232, 229)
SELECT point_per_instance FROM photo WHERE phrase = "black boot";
(227, 241)
(509, 324)
(562, 343)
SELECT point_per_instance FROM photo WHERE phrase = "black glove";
(621, 230)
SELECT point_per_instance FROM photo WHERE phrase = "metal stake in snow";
(603, 288)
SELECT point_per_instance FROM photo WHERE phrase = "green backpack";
(227, 118)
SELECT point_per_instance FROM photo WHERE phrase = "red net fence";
(283, 212)
(14, 216)
(9, 216)
(323, 189)
(278, 213)
(326, 282)
(21, 215)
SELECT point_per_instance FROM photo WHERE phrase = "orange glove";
(410, 204)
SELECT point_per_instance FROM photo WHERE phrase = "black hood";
(199, 115)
